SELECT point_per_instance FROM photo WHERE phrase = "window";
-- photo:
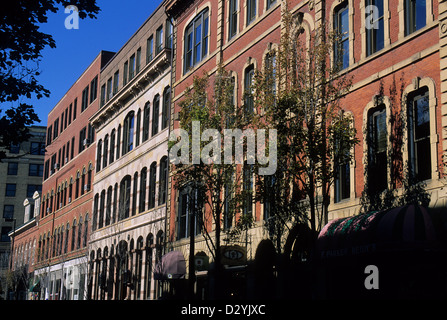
(228, 206)
(196, 40)
(4, 236)
(163, 181)
(146, 119)
(116, 79)
(415, 15)
(75, 104)
(125, 72)
(143, 182)
(37, 148)
(10, 190)
(106, 151)
(35, 170)
(98, 155)
(251, 11)
(342, 181)
(138, 61)
(128, 130)
(134, 193)
(13, 168)
(95, 212)
(93, 89)
(138, 128)
(159, 40)
(169, 31)
(112, 146)
(31, 188)
(150, 49)
(248, 189)
(270, 66)
(377, 150)
(109, 89)
(102, 201)
(152, 178)
(155, 114)
(419, 135)
(341, 26)
(248, 95)
(232, 26)
(188, 204)
(56, 128)
(132, 67)
(166, 108)
(15, 148)
(8, 211)
(375, 30)
(270, 3)
(109, 205)
(103, 95)
(83, 141)
(84, 101)
(124, 202)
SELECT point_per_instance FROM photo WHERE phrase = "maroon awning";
(402, 228)
(171, 266)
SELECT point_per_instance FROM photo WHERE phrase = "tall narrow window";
(125, 72)
(84, 103)
(342, 182)
(132, 67)
(232, 26)
(152, 178)
(150, 49)
(166, 108)
(134, 193)
(116, 79)
(143, 183)
(341, 26)
(189, 204)
(377, 150)
(419, 135)
(138, 61)
(112, 146)
(374, 23)
(251, 11)
(270, 3)
(138, 128)
(163, 181)
(169, 32)
(93, 89)
(106, 151)
(159, 40)
(128, 131)
(155, 114)
(196, 40)
(146, 119)
(103, 95)
(248, 189)
(415, 15)
(98, 155)
(248, 94)
(124, 202)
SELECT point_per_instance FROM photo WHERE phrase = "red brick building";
(405, 49)
(62, 225)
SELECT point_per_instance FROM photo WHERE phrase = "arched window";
(146, 120)
(101, 209)
(78, 242)
(118, 142)
(166, 108)
(163, 181)
(155, 114)
(73, 235)
(134, 193)
(138, 128)
(196, 40)
(98, 155)
(143, 182)
(112, 146)
(109, 205)
(152, 182)
(85, 231)
(106, 151)
(128, 131)
(248, 85)
(95, 212)
(124, 202)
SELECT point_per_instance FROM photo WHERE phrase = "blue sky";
(76, 48)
